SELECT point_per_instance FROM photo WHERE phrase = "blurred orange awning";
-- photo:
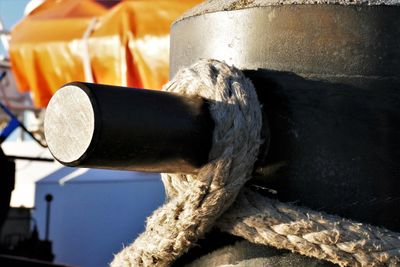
(74, 40)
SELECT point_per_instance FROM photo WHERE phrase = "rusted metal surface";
(329, 79)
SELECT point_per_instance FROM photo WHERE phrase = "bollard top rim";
(212, 6)
(71, 108)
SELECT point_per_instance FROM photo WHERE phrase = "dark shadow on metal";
(334, 147)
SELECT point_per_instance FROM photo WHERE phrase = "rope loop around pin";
(195, 202)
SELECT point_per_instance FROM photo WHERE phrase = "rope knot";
(196, 201)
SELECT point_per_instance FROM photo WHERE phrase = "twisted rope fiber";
(196, 201)
(269, 222)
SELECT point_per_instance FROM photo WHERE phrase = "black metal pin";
(100, 126)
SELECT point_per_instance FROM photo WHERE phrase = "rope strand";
(269, 222)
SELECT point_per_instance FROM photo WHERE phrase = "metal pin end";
(69, 124)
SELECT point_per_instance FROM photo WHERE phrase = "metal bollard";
(328, 78)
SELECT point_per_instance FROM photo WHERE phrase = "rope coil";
(196, 202)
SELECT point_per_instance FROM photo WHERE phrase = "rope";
(269, 222)
(195, 202)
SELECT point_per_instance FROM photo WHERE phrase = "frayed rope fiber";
(196, 202)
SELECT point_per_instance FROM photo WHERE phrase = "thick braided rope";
(265, 221)
(196, 201)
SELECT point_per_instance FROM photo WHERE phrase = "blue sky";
(11, 11)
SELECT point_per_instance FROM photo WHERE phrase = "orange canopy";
(75, 40)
